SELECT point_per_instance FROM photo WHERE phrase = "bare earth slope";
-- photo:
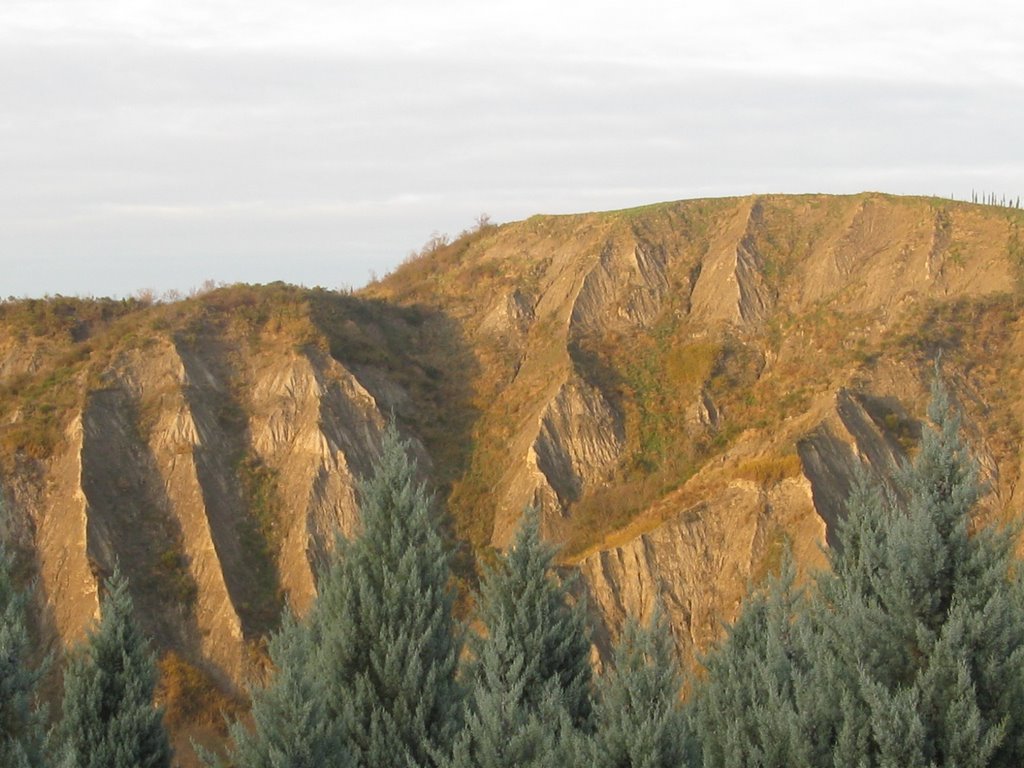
(684, 389)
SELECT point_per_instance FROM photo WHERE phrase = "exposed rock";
(697, 565)
(624, 289)
(61, 521)
(832, 453)
(702, 414)
(731, 362)
(512, 314)
(730, 286)
(581, 439)
(186, 554)
(544, 370)
(152, 475)
(316, 427)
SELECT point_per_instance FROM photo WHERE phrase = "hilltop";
(684, 389)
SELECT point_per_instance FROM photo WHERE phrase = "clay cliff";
(684, 389)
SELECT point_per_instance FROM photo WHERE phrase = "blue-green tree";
(746, 710)
(21, 721)
(909, 652)
(924, 619)
(639, 719)
(385, 642)
(530, 677)
(109, 719)
(291, 726)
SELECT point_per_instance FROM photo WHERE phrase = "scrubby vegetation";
(459, 391)
(191, 697)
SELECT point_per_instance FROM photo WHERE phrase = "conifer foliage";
(530, 679)
(638, 711)
(748, 709)
(909, 652)
(523, 600)
(292, 726)
(21, 727)
(386, 645)
(109, 718)
(925, 619)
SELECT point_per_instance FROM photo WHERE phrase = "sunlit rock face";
(685, 390)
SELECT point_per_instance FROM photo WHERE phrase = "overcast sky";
(157, 145)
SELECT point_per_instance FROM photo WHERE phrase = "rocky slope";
(684, 389)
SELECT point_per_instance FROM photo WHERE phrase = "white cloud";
(295, 133)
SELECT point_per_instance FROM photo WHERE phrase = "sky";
(158, 145)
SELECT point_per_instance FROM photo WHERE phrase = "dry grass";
(191, 697)
(770, 470)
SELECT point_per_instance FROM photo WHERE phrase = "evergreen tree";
(291, 726)
(923, 621)
(109, 718)
(530, 678)
(499, 731)
(21, 723)
(523, 599)
(386, 645)
(746, 711)
(639, 716)
(911, 651)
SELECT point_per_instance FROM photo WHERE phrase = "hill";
(684, 389)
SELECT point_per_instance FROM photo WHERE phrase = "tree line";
(908, 651)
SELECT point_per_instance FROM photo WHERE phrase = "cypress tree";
(746, 710)
(638, 713)
(500, 731)
(21, 723)
(386, 645)
(109, 719)
(909, 653)
(530, 678)
(523, 599)
(291, 726)
(925, 620)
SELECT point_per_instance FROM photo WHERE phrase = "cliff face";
(684, 389)
(215, 472)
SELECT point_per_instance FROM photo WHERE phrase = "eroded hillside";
(684, 389)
